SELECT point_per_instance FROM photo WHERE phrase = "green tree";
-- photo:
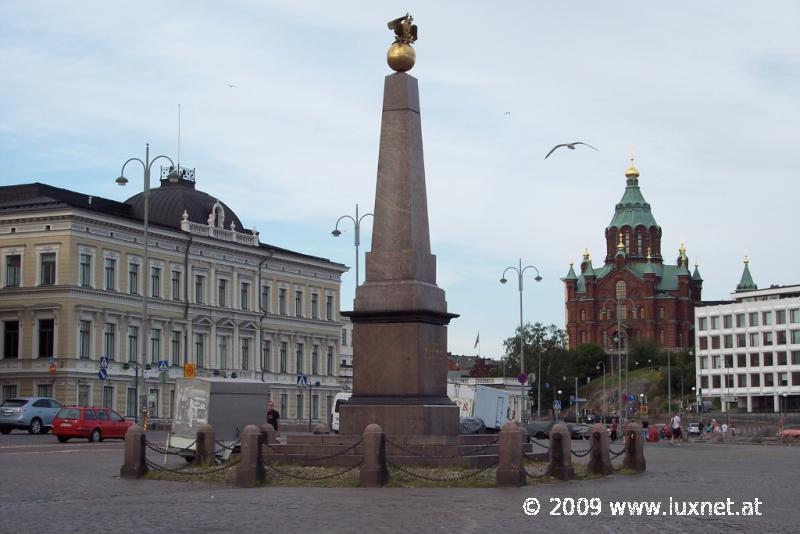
(642, 351)
(585, 359)
(545, 344)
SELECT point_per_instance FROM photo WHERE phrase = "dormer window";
(217, 216)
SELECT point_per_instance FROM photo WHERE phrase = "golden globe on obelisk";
(399, 314)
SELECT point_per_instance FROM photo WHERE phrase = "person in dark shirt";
(273, 416)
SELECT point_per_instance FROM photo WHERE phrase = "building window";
(344, 337)
(199, 288)
(796, 358)
(314, 306)
(84, 395)
(245, 296)
(767, 359)
(155, 282)
(741, 360)
(130, 403)
(299, 358)
(703, 343)
(13, 270)
(754, 360)
(766, 318)
(108, 397)
(48, 269)
(222, 345)
(794, 316)
(627, 242)
(283, 356)
(583, 315)
(755, 380)
(46, 337)
(714, 342)
(299, 406)
(199, 348)
(285, 404)
(175, 347)
(86, 270)
(769, 380)
(155, 345)
(109, 341)
(264, 304)
(754, 319)
(176, 285)
(315, 360)
(282, 301)
(10, 339)
(84, 339)
(767, 339)
(703, 362)
(661, 312)
(795, 337)
(639, 243)
(133, 343)
(781, 357)
(741, 340)
(715, 323)
(44, 390)
(245, 353)
(329, 308)
(298, 303)
(315, 406)
(702, 324)
(329, 362)
(222, 293)
(780, 316)
(740, 320)
(781, 337)
(715, 382)
(621, 289)
(133, 278)
(266, 353)
(9, 392)
(727, 321)
(727, 341)
(754, 340)
(111, 274)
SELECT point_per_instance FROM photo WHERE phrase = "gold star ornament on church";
(401, 55)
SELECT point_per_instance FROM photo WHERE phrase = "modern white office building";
(748, 349)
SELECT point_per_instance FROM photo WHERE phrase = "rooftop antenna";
(179, 136)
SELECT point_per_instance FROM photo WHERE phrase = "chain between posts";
(302, 477)
(163, 450)
(581, 454)
(228, 448)
(421, 455)
(442, 479)
(616, 454)
(545, 447)
(318, 458)
(184, 470)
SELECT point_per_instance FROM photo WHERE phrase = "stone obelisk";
(400, 314)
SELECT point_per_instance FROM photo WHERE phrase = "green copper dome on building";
(633, 210)
(746, 283)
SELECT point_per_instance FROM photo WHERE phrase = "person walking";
(273, 416)
(676, 428)
(614, 429)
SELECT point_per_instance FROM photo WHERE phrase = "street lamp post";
(520, 271)
(618, 340)
(604, 388)
(357, 240)
(147, 164)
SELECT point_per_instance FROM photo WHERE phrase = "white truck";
(493, 406)
(227, 405)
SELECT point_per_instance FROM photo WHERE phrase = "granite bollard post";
(634, 448)
(511, 467)
(374, 472)
(560, 455)
(204, 446)
(600, 457)
(134, 465)
(250, 471)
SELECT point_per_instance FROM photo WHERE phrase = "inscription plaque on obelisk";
(399, 313)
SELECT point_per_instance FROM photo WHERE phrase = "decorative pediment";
(248, 325)
(202, 321)
(226, 323)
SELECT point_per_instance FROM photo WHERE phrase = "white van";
(340, 399)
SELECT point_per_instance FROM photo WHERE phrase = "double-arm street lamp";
(147, 164)
(619, 301)
(521, 271)
(357, 222)
(604, 388)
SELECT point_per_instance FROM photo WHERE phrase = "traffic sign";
(643, 409)
(557, 405)
(302, 380)
(631, 398)
(522, 378)
(189, 370)
(102, 373)
(103, 362)
(163, 365)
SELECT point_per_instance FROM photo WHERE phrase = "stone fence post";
(374, 472)
(205, 446)
(251, 463)
(511, 467)
(560, 455)
(134, 465)
(600, 457)
(268, 434)
(634, 448)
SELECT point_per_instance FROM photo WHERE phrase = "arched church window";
(583, 315)
(627, 242)
(639, 248)
(621, 289)
(641, 312)
(583, 337)
(623, 312)
(661, 336)
(661, 312)
(633, 312)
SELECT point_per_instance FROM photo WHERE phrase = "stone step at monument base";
(339, 439)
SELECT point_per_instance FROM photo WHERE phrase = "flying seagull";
(570, 146)
(508, 113)
(231, 85)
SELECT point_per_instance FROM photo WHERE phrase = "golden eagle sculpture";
(401, 56)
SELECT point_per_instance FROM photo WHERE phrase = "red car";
(90, 422)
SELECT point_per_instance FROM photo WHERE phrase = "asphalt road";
(47, 486)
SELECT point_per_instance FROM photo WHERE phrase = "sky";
(705, 94)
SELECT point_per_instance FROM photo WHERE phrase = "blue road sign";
(302, 380)
(631, 398)
(104, 362)
(102, 373)
(163, 365)
(557, 405)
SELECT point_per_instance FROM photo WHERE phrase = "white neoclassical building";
(748, 348)
(71, 288)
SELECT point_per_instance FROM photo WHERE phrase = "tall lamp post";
(604, 388)
(618, 301)
(357, 222)
(147, 164)
(521, 271)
